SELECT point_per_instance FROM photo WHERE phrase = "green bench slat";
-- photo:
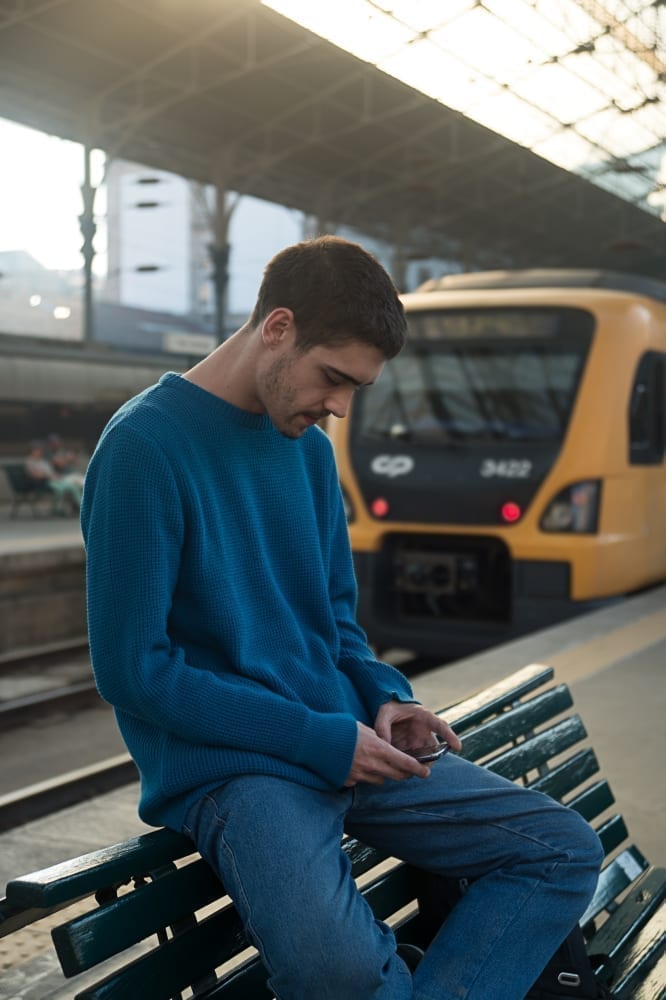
(515, 723)
(89, 939)
(612, 833)
(646, 897)
(641, 955)
(249, 983)
(70, 880)
(617, 876)
(538, 750)
(568, 775)
(13, 918)
(652, 988)
(164, 971)
(362, 857)
(592, 801)
(494, 699)
(390, 892)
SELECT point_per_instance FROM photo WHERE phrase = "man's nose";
(337, 401)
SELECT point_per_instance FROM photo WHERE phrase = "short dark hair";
(337, 292)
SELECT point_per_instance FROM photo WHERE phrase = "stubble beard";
(279, 398)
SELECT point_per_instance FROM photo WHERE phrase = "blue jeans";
(533, 866)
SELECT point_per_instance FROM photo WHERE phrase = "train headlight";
(574, 509)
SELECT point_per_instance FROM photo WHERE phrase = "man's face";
(296, 390)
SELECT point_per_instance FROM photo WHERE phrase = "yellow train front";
(507, 471)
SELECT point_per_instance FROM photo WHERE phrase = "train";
(507, 470)
(69, 388)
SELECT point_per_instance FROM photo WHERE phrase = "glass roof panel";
(560, 94)
(420, 65)
(515, 118)
(580, 82)
(569, 150)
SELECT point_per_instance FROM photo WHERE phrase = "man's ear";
(277, 326)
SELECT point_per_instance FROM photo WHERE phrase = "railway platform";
(42, 593)
(28, 534)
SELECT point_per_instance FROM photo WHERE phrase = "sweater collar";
(203, 399)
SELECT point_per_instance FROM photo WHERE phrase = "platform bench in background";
(157, 923)
(24, 490)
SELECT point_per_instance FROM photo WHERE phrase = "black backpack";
(571, 972)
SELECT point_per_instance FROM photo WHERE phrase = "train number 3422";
(506, 468)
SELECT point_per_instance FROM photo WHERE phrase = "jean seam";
(248, 924)
(562, 852)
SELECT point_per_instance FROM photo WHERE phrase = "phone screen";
(433, 751)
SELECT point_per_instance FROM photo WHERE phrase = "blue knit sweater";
(221, 599)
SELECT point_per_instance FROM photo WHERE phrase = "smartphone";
(433, 751)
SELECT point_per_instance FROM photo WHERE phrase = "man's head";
(337, 292)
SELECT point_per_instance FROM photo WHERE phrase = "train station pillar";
(88, 228)
(219, 256)
(220, 250)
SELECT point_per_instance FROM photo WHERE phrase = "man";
(221, 615)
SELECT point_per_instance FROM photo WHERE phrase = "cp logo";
(392, 465)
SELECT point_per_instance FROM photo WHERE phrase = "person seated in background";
(65, 488)
(62, 458)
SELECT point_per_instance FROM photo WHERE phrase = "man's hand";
(379, 752)
(408, 726)
(375, 760)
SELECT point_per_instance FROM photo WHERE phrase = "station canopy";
(492, 133)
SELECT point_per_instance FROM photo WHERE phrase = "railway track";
(36, 683)
(70, 698)
(46, 797)
(51, 651)
(52, 686)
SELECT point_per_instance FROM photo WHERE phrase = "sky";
(40, 200)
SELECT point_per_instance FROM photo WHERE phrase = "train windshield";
(479, 376)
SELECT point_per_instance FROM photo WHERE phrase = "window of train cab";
(647, 411)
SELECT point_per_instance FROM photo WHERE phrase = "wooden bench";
(25, 490)
(158, 918)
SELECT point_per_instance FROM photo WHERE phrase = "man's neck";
(227, 372)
